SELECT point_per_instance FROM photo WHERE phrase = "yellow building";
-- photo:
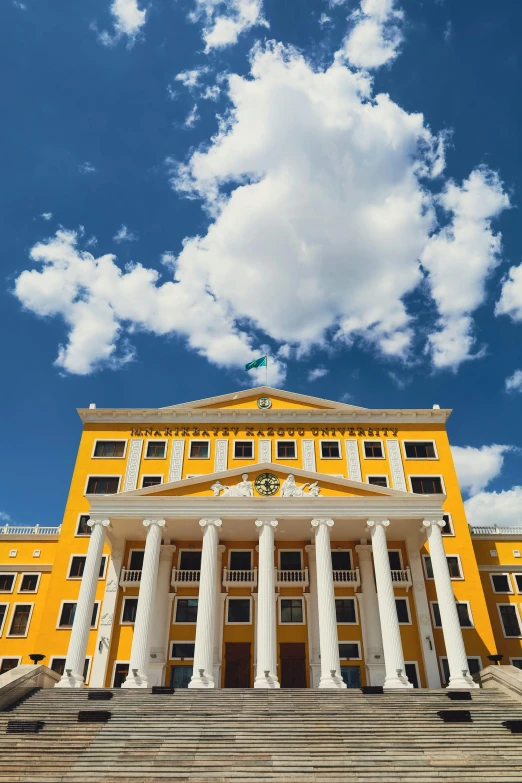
(261, 539)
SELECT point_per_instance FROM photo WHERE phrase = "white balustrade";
(129, 578)
(294, 578)
(344, 577)
(401, 578)
(511, 530)
(26, 530)
(184, 577)
(239, 578)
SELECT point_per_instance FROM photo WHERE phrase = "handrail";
(345, 576)
(291, 577)
(402, 575)
(130, 577)
(240, 577)
(512, 530)
(27, 530)
(183, 576)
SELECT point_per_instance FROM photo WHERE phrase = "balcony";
(239, 578)
(129, 578)
(347, 578)
(402, 578)
(294, 578)
(26, 530)
(184, 578)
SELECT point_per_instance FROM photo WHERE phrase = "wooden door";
(237, 665)
(293, 665)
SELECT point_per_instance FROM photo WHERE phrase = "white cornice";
(266, 391)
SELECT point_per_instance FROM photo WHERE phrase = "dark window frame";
(284, 445)
(153, 445)
(186, 608)
(341, 605)
(427, 485)
(96, 485)
(413, 447)
(330, 445)
(196, 445)
(297, 606)
(235, 600)
(370, 446)
(20, 612)
(241, 446)
(101, 445)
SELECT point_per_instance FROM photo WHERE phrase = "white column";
(313, 620)
(266, 639)
(160, 625)
(218, 630)
(455, 650)
(370, 621)
(422, 610)
(203, 676)
(328, 638)
(106, 625)
(75, 661)
(139, 658)
(391, 632)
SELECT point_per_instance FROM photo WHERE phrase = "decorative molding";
(353, 460)
(289, 489)
(111, 586)
(308, 447)
(397, 470)
(176, 460)
(221, 456)
(265, 451)
(107, 619)
(130, 481)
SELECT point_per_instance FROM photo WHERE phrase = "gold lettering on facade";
(189, 432)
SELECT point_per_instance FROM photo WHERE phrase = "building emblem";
(267, 484)
(264, 403)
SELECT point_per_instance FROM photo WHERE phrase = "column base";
(462, 684)
(266, 682)
(136, 681)
(156, 675)
(216, 673)
(393, 683)
(71, 681)
(375, 673)
(332, 683)
(204, 681)
(315, 675)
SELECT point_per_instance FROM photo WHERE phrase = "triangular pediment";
(225, 483)
(279, 399)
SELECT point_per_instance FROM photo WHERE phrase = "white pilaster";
(455, 650)
(308, 447)
(139, 658)
(160, 624)
(130, 481)
(265, 450)
(221, 455)
(396, 467)
(422, 611)
(328, 638)
(106, 626)
(370, 621)
(75, 660)
(391, 632)
(176, 460)
(313, 619)
(203, 676)
(266, 640)
(218, 629)
(353, 460)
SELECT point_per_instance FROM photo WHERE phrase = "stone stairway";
(250, 736)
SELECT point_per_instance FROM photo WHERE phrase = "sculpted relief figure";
(244, 489)
(289, 489)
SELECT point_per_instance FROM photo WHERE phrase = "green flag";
(257, 363)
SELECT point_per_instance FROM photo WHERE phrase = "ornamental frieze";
(265, 432)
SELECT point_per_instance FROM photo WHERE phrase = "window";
(412, 673)
(238, 611)
(516, 662)
(373, 449)
(447, 530)
(510, 619)
(403, 611)
(180, 676)
(501, 583)
(345, 610)
(243, 449)
(330, 449)
(199, 449)
(136, 560)
(426, 485)
(286, 449)
(182, 650)
(290, 561)
(291, 610)
(109, 448)
(420, 449)
(156, 449)
(151, 481)
(20, 620)
(77, 567)
(518, 582)
(29, 583)
(68, 610)
(394, 556)
(454, 566)
(341, 560)
(474, 666)
(349, 650)
(240, 560)
(8, 664)
(463, 611)
(7, 583)
(102, 485)
(128, 614)
(190, 560)
(3, 614)
(186, 610)
(58, 666)
(377, 481)
(121, 670)
(83, 528)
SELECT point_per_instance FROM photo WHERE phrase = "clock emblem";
(267, 484)
(264, 403)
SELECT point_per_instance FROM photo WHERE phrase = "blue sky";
(188, 185)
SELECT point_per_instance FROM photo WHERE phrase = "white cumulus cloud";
(124, 235)
(46, 215)
(4, 517)
(86, 168)
(225, 20)
(477, 467)
(514, 382)
(375, 37)
(495, 508)
(510, 302)
(129, 19)
(316, 373)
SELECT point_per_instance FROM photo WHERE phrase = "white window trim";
(428, 475)
(517, 610)
(330, 440)
(198, 440)
(11, 657)
(502, 592)
(183, 598)
(64, 658)
(288, 550)
(186, 549)
(114, 665)
(400, 557)
(373, 440)
(344, 549)
(8, 573)
(468, 657)
(453, 578)
(404, 598)
(102, 475)
(462, 627)
(125, 599)
(416, 664)
(519, 590)
(419, 440)
(452, 534)
(244, 440)
(234, 549)
(156, 440)
(9, 635)
(179, 641)
(4, 621)
(287, 440)
(130, 555)
(236, 598)
(68, 627)
(105, 560)
(432, 611)
(28, 592)
(377, 475)
(81, 535)
(349, 641)
(355, 602)
(109, 440)
(152, 475)
(281, 598)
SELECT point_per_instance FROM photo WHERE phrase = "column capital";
(221, 548)
(260, 523)
(310, 548)
(430, 523)
(167, 550)
(206, 522)
(372, 524)
(149, 522)
(327, 522)
(362, 548)
(99, 521)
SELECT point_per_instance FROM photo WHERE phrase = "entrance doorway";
(121, 671)
(237, 665)
(293, 665)
(180, 676)
(351, 676)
